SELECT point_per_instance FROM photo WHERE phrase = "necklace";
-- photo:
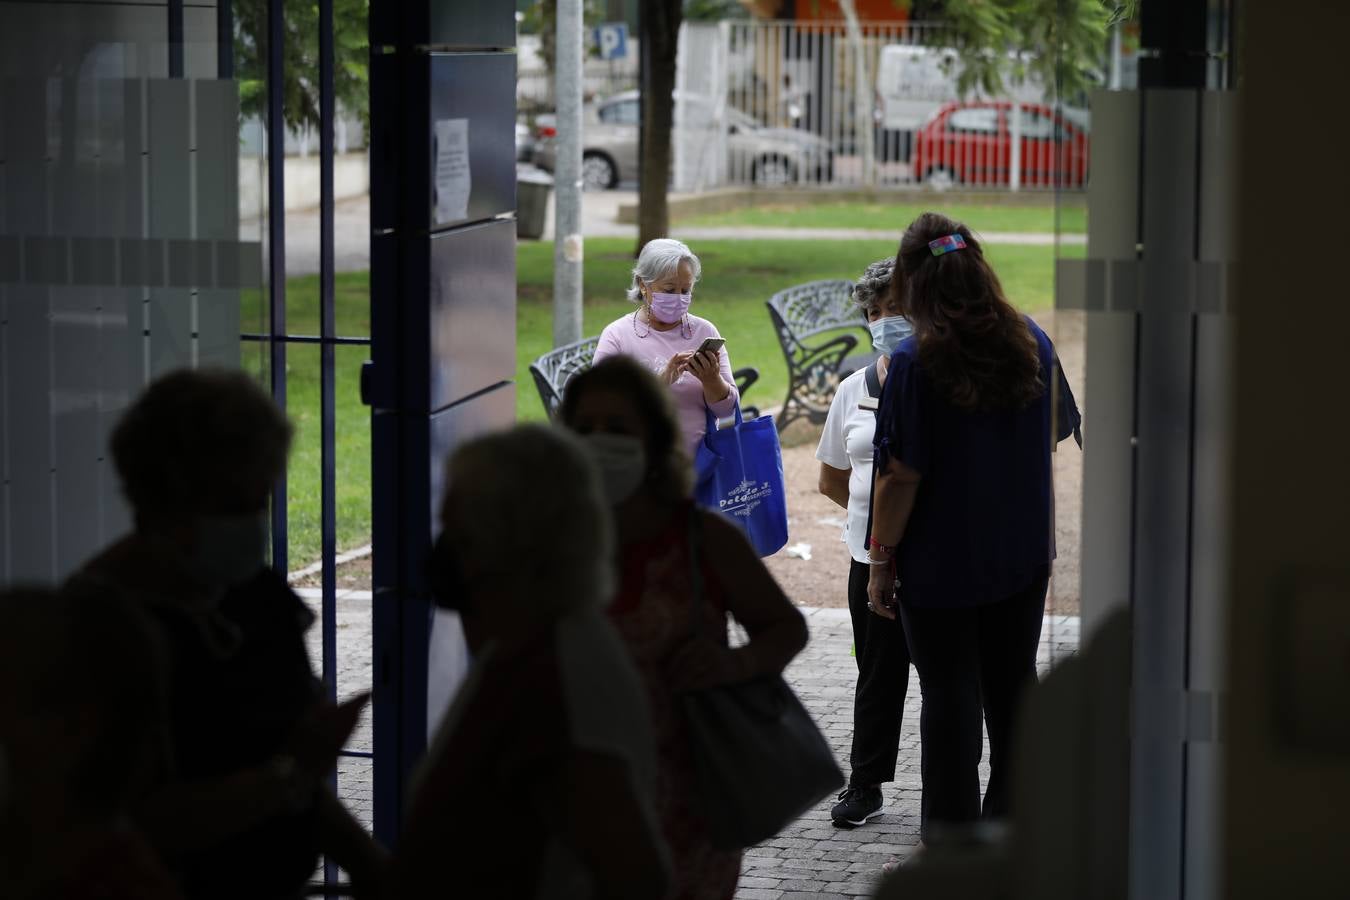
(686, 330)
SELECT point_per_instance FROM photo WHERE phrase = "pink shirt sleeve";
(725, 406)
(609, 343)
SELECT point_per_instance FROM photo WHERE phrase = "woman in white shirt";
(845, 455)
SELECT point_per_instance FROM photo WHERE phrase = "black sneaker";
(856, 805)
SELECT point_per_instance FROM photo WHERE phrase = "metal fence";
(534, 85)
(791, 103)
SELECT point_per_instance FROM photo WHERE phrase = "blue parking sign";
(612, 39)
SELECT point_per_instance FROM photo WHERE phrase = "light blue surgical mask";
(888, 332)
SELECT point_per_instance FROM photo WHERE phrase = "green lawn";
(896, 216)
(738, 276)
(353, 418)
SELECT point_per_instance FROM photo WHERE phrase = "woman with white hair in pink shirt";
(665, 337)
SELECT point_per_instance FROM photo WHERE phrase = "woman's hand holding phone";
(676, 366)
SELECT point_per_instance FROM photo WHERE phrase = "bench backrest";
(555, 368)
(807, 309)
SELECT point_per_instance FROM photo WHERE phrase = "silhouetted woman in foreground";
(243, 809)
(550, 735)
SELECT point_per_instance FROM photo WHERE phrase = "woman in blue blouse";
(963, 515)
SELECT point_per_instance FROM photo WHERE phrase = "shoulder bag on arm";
(760, 759)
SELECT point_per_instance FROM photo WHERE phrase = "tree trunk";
(548, 34)
(662, 21)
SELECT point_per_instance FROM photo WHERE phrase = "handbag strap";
(873, 381)
(873, 389)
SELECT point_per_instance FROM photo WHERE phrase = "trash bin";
(532, 189)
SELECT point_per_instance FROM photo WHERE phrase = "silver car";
(760, 155)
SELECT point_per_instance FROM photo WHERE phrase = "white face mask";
(622, 461)
(230, 549)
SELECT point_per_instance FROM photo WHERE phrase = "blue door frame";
(424, 397)
(277, 338)
(442, 284)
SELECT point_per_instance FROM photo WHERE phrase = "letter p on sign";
(612, 40)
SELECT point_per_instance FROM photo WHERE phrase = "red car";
(971, 143)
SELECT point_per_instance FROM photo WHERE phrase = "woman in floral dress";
(625, 416)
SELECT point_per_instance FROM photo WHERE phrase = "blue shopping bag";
(739, 473)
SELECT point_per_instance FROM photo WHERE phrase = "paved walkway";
(811, 858)
(351, 237)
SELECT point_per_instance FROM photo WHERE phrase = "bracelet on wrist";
(885, 550)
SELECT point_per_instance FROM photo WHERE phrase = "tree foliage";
(1127, 11)
(300, 93)
(714, 10)
(1061, 43)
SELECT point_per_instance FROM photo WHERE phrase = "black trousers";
(971, 659)
(883, 679)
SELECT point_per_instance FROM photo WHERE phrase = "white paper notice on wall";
(451, 181)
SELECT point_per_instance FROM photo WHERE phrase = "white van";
(912, 83)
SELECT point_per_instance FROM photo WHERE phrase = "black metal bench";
(815, 367)
(555, 368)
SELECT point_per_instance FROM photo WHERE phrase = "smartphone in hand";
(712, 344)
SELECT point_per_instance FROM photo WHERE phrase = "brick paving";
(811, 858)
(354, 652)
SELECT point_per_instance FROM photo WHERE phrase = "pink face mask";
(670, 308)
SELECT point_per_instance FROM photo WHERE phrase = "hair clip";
(947, 244)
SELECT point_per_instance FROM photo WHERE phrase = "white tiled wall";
(119, 253)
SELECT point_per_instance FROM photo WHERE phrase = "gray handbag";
(760, 760)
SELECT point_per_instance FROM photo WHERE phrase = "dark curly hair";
(668, 467)
(870, 291)
(974, 345)
(197, 439)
